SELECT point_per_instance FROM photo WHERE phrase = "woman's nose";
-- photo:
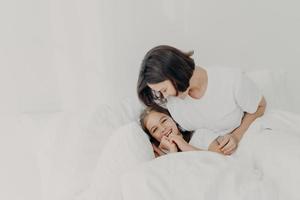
(165, 95)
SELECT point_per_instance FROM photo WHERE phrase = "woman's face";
(167, 89)
(160, 124)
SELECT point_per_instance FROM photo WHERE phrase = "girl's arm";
(184, 146)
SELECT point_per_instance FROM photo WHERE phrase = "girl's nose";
(163, 129)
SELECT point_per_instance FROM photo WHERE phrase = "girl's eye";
(164, 120)
(154, 130)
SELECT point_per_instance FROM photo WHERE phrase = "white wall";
(27, 79)
(74, 54)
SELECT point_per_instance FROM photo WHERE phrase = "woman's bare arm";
(214, 146)
(230, 141)
(248, 119)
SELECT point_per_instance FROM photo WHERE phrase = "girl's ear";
(180, 128)
(154, 142)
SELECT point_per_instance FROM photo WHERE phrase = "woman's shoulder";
(222, 76)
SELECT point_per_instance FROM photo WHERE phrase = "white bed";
(76, 161)
(264, 167)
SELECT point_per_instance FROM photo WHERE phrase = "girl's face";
(167, 89)
(160, 124)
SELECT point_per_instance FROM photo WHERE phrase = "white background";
(74, 55)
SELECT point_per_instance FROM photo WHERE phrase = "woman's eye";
(154, 130)
(164, 120)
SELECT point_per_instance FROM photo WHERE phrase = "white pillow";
(128, 147)
(67, 155)
(70, 144)
(109, 117)
(20, 178)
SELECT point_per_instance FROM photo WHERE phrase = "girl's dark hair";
(187, 135)
(164, 63)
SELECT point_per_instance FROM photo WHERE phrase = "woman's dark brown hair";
(187, 135)
(164, 63)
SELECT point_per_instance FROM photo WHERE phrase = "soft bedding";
(71, 147)
(264, 167)
(272, 145)
(196, 175)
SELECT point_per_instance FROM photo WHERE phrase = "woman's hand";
(167, 146)
(228, 144)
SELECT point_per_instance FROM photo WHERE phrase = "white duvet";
(264, 167)
(196, 175)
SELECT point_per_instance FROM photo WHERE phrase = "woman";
(221, 100)
(165, 134)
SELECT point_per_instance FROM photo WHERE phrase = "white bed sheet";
(264, 167)
(196, 175)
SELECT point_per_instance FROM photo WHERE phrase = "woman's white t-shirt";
(202, 138)
(219, 111)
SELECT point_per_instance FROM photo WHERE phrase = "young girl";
(167, 136)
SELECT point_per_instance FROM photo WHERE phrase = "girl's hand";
(167, 146)
(182, 144)
(157, 151)
(228, 144)
(179, 141)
